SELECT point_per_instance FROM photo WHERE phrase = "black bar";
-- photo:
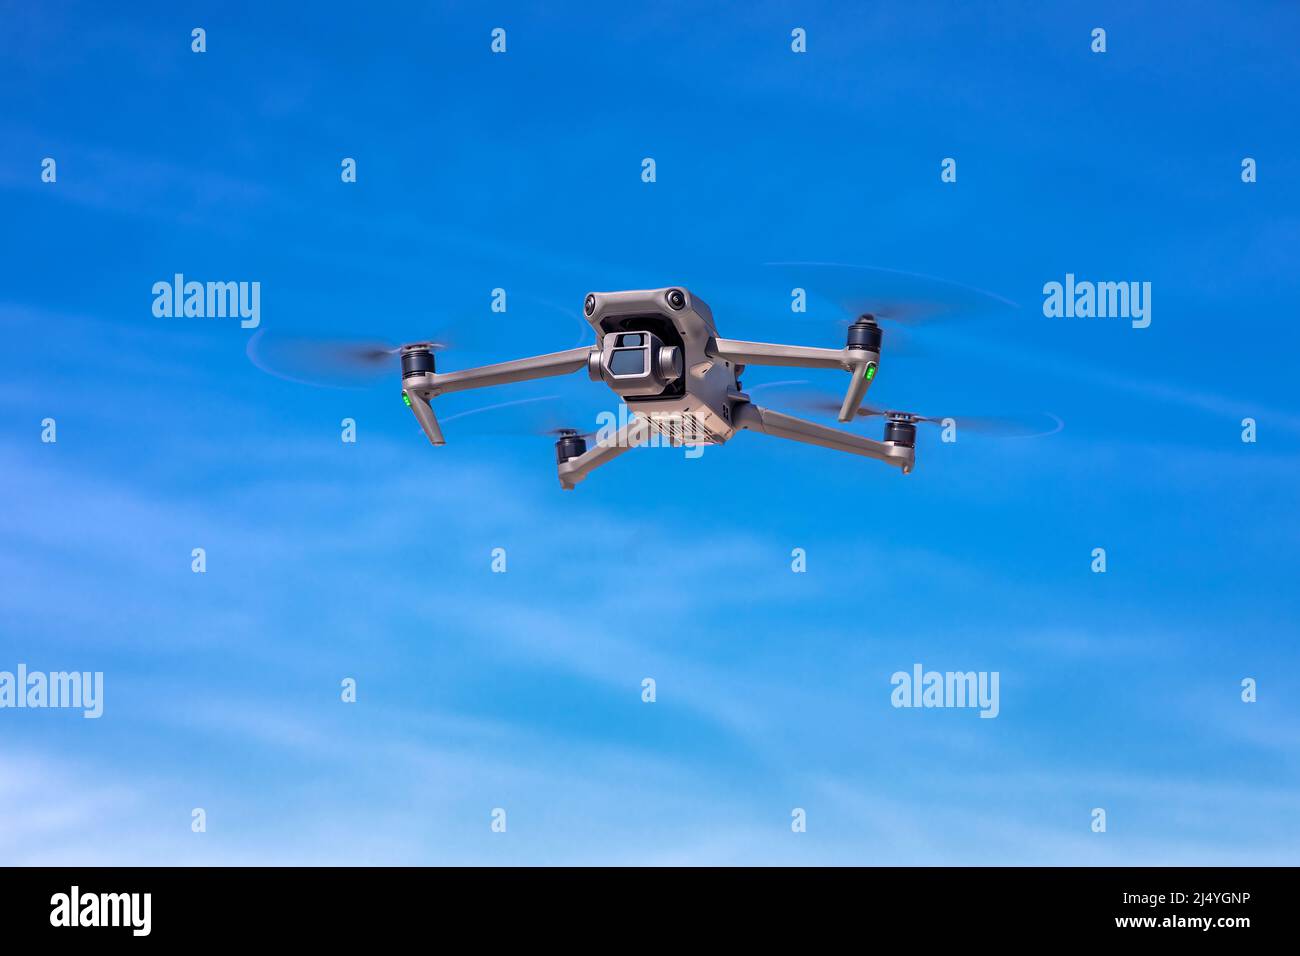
(334, 905)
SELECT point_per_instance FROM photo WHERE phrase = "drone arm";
(576, 469)
(859, 362)
(421, 387)
(767, 353)
(764, 420)
(504, 373)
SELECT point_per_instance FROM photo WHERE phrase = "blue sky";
(523, 690)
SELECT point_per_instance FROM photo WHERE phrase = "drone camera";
(638, 363)
(630, 355)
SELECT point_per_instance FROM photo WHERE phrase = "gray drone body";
(659, 351)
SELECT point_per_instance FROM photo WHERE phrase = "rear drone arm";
(859, 358)
(768, 422)
(574, 470)
(420, 381)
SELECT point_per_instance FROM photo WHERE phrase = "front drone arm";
(504, 373)
(768, 422)
(420, 381)
(573, 470)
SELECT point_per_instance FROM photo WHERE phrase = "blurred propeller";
(340, 363)
(528, 326)
(998, 426)
(545, 416)
(890, 295)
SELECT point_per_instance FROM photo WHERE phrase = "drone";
(680, 382)
(659, 351)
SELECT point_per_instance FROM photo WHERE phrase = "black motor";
(417, 360)
(900, 432)
(569, 445)
(864, 334)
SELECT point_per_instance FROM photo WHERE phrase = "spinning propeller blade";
(532, 325)
(339, 363)
(998, 426)
(890, 295)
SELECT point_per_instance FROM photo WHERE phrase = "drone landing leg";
(576, 469)
(425, 416)
(768, 422)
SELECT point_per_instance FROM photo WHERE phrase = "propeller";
(890, 295)
(565, 433)
(527, 325)
(785, 383)
(998, 426)
(545, 416)
(339, 363)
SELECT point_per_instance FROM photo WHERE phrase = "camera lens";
(590, 305)
(676, 299)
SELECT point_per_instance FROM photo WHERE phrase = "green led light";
(406, 398)
(870, 371)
